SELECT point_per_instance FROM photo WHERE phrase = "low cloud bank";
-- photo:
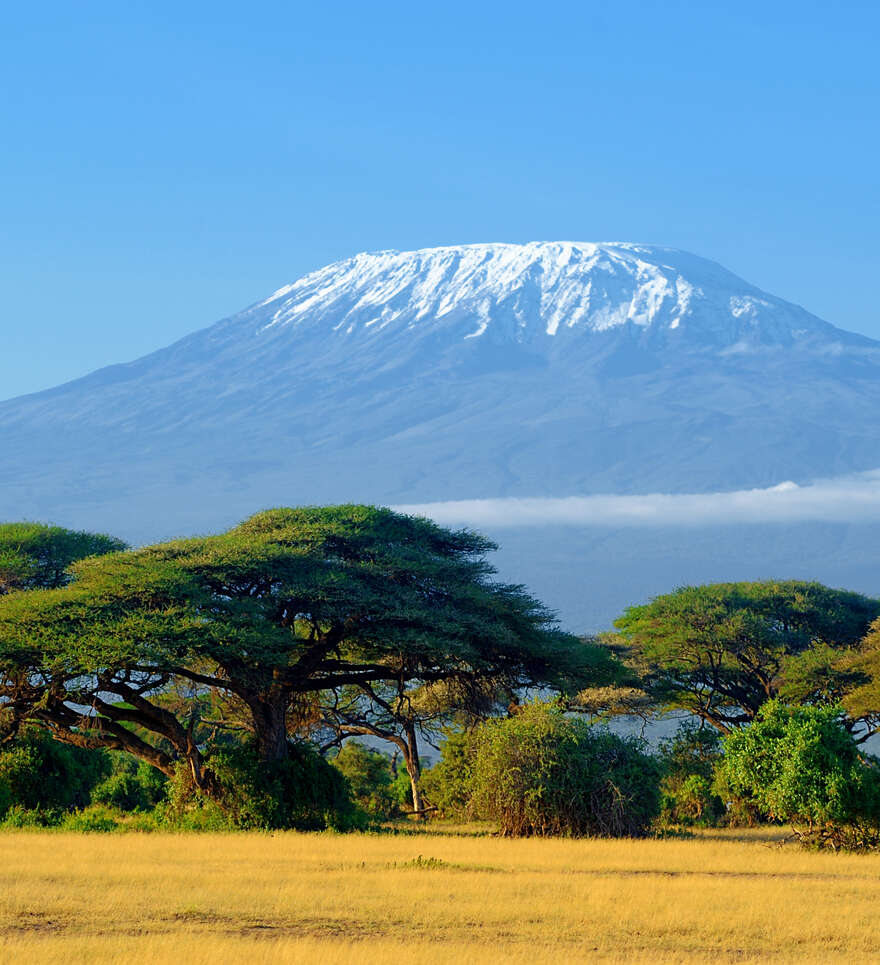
(844, 499)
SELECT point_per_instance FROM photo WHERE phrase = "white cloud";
(839, 500)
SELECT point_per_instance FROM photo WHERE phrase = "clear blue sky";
(163, 165)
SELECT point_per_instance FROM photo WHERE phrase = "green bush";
(740, 811)
(304, 792)
(96, 818)
(401, 790)
(188, 810)
(543, 772)
(689, 760)
(447, 785)
(123, 791)
(370, 779)
(133, 786)
(5, 796)
(800, 765)
(44, 774)
(20, 817)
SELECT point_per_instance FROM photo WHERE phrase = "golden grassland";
(194, 899)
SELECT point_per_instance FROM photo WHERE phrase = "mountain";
(546, 369)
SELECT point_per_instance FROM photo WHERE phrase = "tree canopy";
(862, 669)
(722, 650)
(289, 603)
(34, 555)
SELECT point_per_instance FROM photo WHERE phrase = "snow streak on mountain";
(522, 292)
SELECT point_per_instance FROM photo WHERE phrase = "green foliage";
(448, 784)
(822, 674)
(33, 555)
(19, 818)
(187, 809)
(5, 796)
(543, 772)
(695, 802)
(800, 765)
(720, 651)
(401, 790)
(133, 785)
(301, 791)
(739, 811)
(369, 777)
(862, 699)
(97, 818)
(41, 773)
(688, 761)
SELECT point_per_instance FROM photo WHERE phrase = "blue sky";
(164, 165)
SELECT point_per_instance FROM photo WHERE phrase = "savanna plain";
(430, 897)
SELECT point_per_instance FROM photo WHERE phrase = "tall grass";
(217, 898)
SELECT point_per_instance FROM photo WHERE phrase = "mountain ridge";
(547, 369)
(745, 303)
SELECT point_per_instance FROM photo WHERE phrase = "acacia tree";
(721, 651)
(290, 603)
(861, 668)
(37, 556)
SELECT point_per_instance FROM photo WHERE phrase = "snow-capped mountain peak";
(528, 291)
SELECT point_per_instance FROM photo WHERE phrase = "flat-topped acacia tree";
(722, 650)
(289, 603)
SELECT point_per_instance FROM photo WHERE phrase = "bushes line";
(541, 771)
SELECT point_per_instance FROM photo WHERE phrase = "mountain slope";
(469, 371)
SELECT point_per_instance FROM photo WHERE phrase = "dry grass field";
(194, 899)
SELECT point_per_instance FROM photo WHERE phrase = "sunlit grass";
(214, 898)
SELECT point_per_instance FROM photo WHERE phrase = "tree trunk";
(270, 727)
(414, 769)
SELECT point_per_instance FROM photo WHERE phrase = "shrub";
(800, 765)
(133, 786)
(42, 773)
(739, 811)
(543, 772)
(96, 818)
(370, 779)
(19, 817)
(187, 810)
(688, 760)
(304, 792)
(448, 784)
(401, 790)
(5, 796)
